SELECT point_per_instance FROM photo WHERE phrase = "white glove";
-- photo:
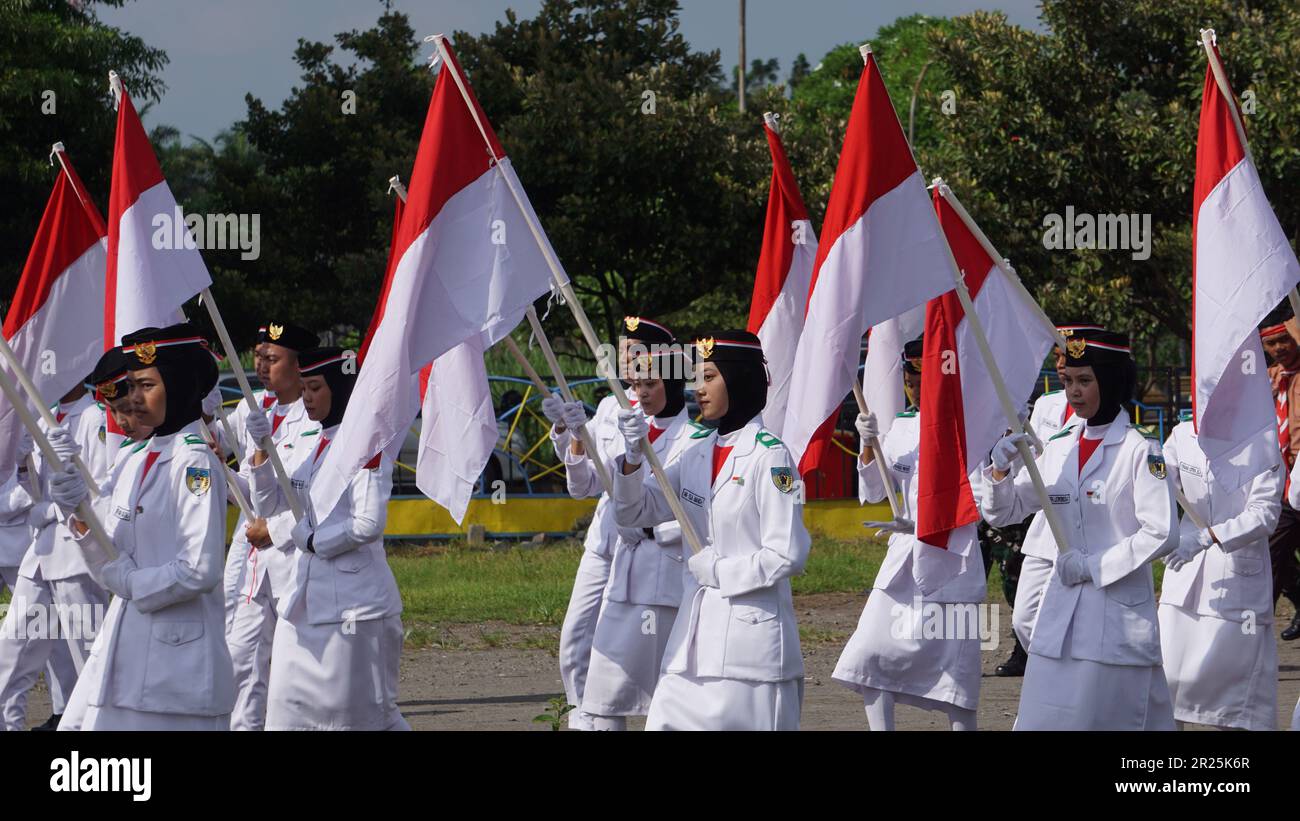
(61, 441)
(1072, 568)
(211, 402)
(257, 426)
(573, 414)
(704, 567)
(867, 426)
(1005, 453)
(631, 535)
(896, 525)
(25, 447)
(1188, 550)
(68, 489)
(633, 425)
(42, 514)
(553, 410)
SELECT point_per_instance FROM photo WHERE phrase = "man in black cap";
(262, 576)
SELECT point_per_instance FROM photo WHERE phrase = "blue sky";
(222, 50)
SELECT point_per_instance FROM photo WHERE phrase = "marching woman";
(733, 660)
(160, 660)
(1094, 656)
(890, 659)
(338, 639)
(579, 628)
(1216, 606)
(645, 581)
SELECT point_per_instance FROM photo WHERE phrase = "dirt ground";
(504, 687)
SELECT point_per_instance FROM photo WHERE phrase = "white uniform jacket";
(345, 574)
(602, 535)
(1046, 422)
(54, 551)
(162, 644)
(751, 520)
(644, 570)
(1120, 514)
(15, 504)
(1226, 581)
(956, 575)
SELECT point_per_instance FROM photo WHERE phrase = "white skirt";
(1077, 694)
(626, 654)
(888, 652)
(335, 676)
(108, 717)
(1217, 674)
(683, 702)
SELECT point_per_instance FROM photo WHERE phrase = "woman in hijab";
(159, 661)
(733, 660)
(338, 641)
(1094, 654)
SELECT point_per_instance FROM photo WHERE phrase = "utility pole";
(741, 83)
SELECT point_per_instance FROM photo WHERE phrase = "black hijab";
(186, 364)
(1111, 360)
(340, 375)
(738, 356)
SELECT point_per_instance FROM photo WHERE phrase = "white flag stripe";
(458, 429)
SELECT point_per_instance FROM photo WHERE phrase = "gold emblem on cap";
(146, 352)
(1067, 332)
(1076, 347)
(109, 390)
(705, 346)
(632, 322)
(275, 331)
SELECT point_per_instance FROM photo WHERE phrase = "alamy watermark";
(213, 232)
(947, 620)
(1101, 232)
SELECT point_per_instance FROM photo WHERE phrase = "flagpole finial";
(115, 86)
(435, 59)
(773, 120)
(395, 184)
(1209, 37)
(865, 51)
(55, 149)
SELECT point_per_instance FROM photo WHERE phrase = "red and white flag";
(1243, 266)
(882, 372)
(881, 253)
(961, 417)
(54, 323)
(468, 265)
(154, 265)
(781, 286)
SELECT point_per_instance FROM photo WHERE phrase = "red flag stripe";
(399, 208)
(784, 206)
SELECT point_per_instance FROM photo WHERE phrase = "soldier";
(338, 642)
(1094, 656)
(268, 574)
(1282, 349)
(733, 660)
(887, 665)
(579, 628)
(160, 661)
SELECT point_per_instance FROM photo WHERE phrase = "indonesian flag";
(154, 265)
(882, 373)
(961, 417)
(881, 253)
(468, 265)
(458, 429)
(53, 323)
(781, 286)
(1243, 267)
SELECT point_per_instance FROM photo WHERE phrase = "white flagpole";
(557, 374)
(589, 333)
(878, 455)
(1209, 39)
(231, 483)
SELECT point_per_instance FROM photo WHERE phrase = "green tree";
(58, 48)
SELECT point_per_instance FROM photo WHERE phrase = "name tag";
(902, 468)
(1192, 469)
(122, 513)
(1059, 498)
(698, 501)
(298, 484)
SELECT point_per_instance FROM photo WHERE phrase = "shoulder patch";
(310, 432)
(905, 415)
(1049, 393)
(191, 439)
(783, 478)
(1063, 432)
(1156, 459)
(198, 480)
(767, 440)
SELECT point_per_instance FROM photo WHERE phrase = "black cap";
(145, 347)
(912, 352)
(646, 330)
(317, 360)
(1098, 347)
(728, 346)
(109, 374)
(287, 335)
